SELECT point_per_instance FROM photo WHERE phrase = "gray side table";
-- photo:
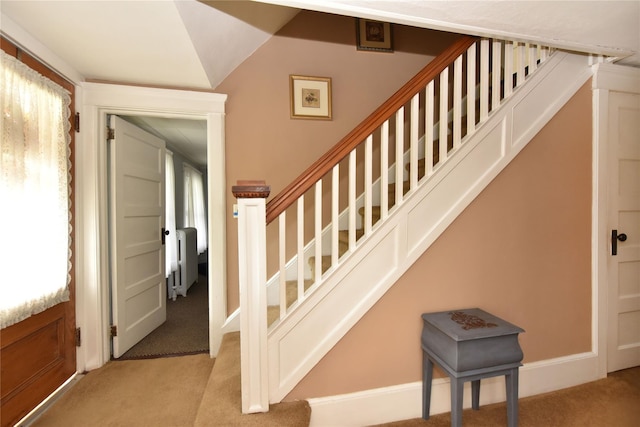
(469, 345)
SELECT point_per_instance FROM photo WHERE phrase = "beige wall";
(521, 250)
(263, 142)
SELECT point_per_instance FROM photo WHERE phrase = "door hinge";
(78, 337)
(110, 133)
(76, 122)
(114, 331)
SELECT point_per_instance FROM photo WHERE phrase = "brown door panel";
(38, 354)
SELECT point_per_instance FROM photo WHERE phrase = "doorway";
(99, 100)
(184, 293)
(616, 303)
(624, 217)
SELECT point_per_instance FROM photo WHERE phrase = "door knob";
(615, 237)
(163, 233)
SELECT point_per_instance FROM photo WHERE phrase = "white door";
(137, 224)
(624, 217)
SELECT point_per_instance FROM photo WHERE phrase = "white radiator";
(187, 273)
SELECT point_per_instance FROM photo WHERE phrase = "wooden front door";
(38, 354)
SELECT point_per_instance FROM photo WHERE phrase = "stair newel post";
(252, 263)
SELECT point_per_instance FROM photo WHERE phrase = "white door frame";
(95, 101)
(607, 78)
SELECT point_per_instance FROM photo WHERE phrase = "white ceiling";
(196, 44)
(608, 27)
(183, 136)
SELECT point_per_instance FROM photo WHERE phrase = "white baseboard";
(404, 401)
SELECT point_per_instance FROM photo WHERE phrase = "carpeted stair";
(273, 311)
(221, 403)
(343, 235)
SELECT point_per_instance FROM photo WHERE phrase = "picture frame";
(310, 97)
(374, 35)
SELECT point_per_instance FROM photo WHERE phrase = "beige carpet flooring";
(610, 402)
(168, 392)
(182, 391)
(152, 392)
(192, 390)
(221, 405)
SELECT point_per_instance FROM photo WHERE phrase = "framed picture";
(374, 35)
(310, 97)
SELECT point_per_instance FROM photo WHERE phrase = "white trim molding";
(362, 279)
(404, 401)
(607, 78)
(95, 101)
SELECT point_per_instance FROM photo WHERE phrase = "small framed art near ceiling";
(374, 35)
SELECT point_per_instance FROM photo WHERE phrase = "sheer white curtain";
(171, 241)
(194, 207)
(35, 250)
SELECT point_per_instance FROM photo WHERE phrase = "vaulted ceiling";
(196, 44)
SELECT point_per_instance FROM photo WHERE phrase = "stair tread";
(273, 311)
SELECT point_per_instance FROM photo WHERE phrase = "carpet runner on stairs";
(273, 311)
(343, 235)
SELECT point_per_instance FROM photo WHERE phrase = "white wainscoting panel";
(298, 342)
(295, 349)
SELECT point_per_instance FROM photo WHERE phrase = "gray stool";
(469, 345)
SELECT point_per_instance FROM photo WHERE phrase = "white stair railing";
(462, 115)
(384, 168)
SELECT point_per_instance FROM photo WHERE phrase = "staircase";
(343, 236)
(360, 245)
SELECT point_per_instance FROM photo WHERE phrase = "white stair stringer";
(298, 342)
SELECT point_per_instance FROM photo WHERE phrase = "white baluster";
(471, 89)
(352, 200)
(335, 214)
(520, 55)
(443, 127)
(300, 247)
(282, 261)
(484, 80)
(429, 109)
(368, 184)
(496, 66)
(533, 58)
(544, 53)
(399, 155)
(413, 138)
(508, 69)
(457, 102)
(384, 170)
(318, 231)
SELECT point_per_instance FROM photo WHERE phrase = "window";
(35, 167)
(194, 205)
(171, 251)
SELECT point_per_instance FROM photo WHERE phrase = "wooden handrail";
(324, 164)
